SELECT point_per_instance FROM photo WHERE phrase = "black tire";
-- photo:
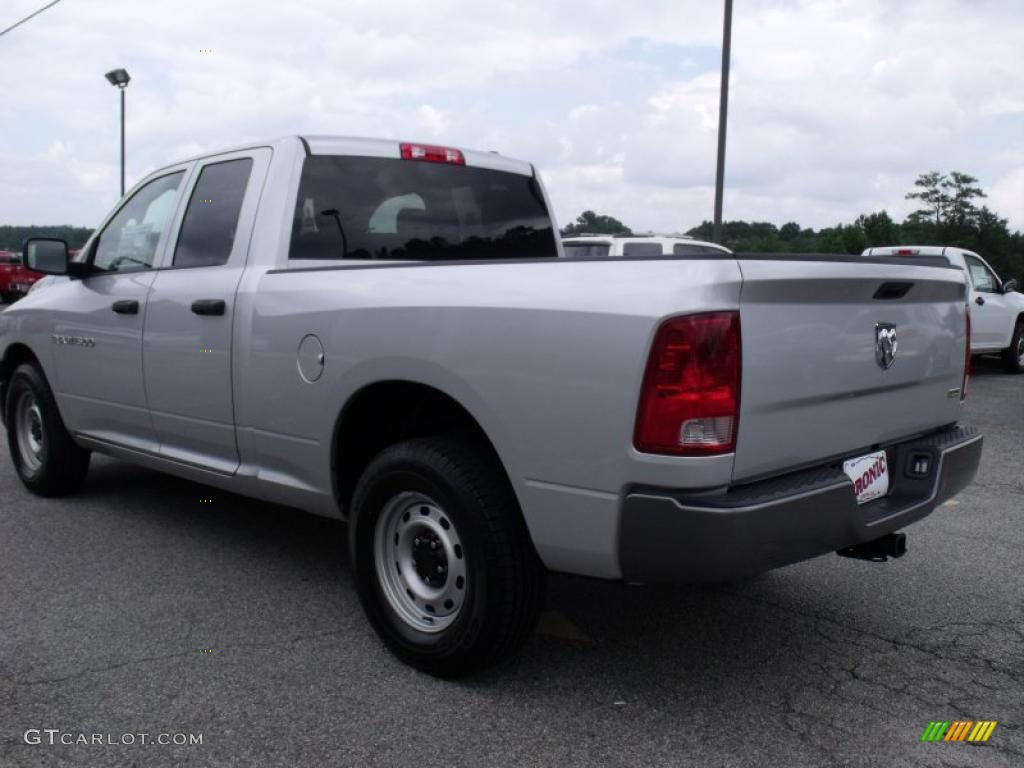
(60, 465)
(1013, 356)
(504, 578)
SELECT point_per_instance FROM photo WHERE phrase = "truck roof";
(371, 147)
(915, 250)
(663, 240)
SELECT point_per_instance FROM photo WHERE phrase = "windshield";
(382, 208)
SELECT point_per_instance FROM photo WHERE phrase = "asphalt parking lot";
(152, 605)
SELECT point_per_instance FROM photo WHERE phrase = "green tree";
(950, 217)
(789, 231)
(879, 228)
(962, 191)
(12, 237)
(591, 223)
(931, 192)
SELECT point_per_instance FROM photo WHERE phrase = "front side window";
(383, 208)
(130, 239)
(208, 229)
(981, 276)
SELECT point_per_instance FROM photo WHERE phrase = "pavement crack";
(177, 655)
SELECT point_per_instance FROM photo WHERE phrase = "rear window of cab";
(385, 208)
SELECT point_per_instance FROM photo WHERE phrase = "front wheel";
(1013, 356)
(444, 565)
(47, 460)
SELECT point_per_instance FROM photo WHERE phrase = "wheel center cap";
(429, 559)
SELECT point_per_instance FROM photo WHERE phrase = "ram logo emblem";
(885, 345)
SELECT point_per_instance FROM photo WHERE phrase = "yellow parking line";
(554, 624)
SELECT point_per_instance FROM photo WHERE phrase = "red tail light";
(967, 358)
(690, 399)
(432, 154)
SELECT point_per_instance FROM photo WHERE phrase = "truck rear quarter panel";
(546, 356)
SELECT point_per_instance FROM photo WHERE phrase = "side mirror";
(1009, 286)
(48, 255)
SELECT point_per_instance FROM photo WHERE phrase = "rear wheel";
(444, 565)
(1013, 356)
(47, 460)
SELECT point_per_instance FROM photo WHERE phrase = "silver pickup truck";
(388, 333)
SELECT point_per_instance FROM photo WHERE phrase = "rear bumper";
(671, 536)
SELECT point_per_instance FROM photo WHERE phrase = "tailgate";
(813, 382)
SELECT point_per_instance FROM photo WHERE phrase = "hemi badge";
(77, 341)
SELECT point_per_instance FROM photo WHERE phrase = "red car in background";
(15, 279)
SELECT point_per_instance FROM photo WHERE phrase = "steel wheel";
(28, 427)
(420, 563)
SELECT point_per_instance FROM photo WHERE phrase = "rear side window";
(642, 249)
(383, 208)
(587, 250)
(208, 230)
(689, 249)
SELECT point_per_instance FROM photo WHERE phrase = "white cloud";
(836, 105)
(433, 120)
(1007, 197)
(57, 152)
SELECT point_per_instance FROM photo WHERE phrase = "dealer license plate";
(870, 476)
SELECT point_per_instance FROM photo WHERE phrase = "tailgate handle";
(209, 306)
(126, 307)
(888, 291)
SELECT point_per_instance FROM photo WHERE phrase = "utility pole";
(723, 111)
(122, 141)
(120, 79)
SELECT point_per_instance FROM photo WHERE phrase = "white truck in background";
(997, 307)
(639, 246)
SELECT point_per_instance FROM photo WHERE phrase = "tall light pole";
(723, 110)
(120, 78)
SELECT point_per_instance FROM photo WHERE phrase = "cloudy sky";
(836, 105)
